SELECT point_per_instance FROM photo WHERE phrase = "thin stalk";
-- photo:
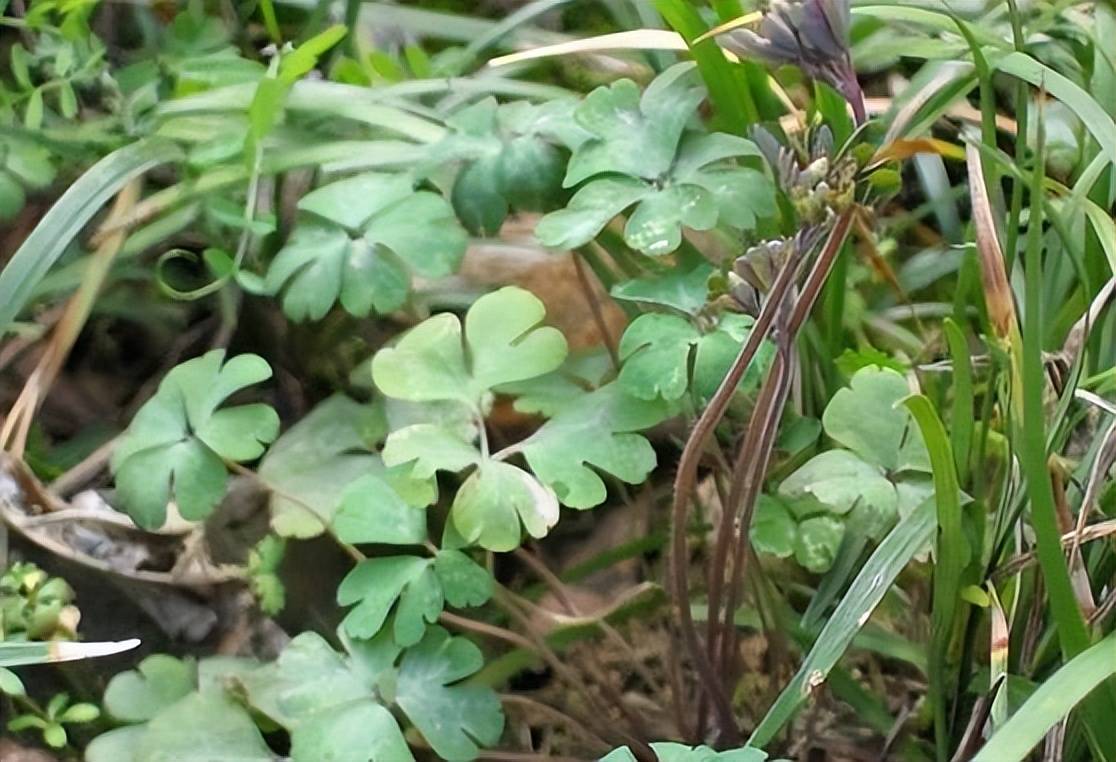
(755, 459)
(686, 478)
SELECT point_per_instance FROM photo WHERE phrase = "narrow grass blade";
(1095, 119)
(952, 553)
(961, 418)
(21, 654)
(728, 89)
(61, 225)
(865, 593)
(1052, 701)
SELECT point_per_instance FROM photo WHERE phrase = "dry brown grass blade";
(17, 425)
(636, 39)
(997, 290)
(728, 26)
(905, 148)
(1091, 533)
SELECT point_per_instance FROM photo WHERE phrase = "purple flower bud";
(811, 34)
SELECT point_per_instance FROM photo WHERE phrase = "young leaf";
(454, 718)
(493, 502)
(178, 441)
(371, 510)
(817, 542)
(840, 481)
(655, 349)
(359, 241)
(598, 429)
(638, 154)
(201, 727)
(312, 463)
(503, 343)
(376, 584)
(633, 135)
(865, 418)
(158, 682)
(416, 587)
(773, 529)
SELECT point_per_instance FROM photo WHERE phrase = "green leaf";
(80, 713)
(428, 448)
(454, 718)
(655, 227)
(21, 65)
(1053, 700)
(10, 684)
(656, 351)
(718, 349)
(502, 341)
(67, 101)
(464, 583)
(179, 440)
(54, 735)
(865, 593)
(513, 156)
(308, 678)
(546, 395)
(314, 462)
(866, 418)
(683, 287)
(12, 197)
(840, 481)
(496, 498)
(326, 704)
(202, 727)
(416, 587)
(818, 541)
(597, 430)
(773, 528)
(634, 135)
(301, 60)
(589, 211)
(377, 584)
(33, 115)
(362, 731)
(639, 154)
(853, 360)
(359, 243)
(372, 511)
(158, 682)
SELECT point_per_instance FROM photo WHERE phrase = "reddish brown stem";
(691, 455)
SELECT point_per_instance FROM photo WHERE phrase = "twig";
(84, 471)
(595, 308)
(556, 714)
(490, 630)
(502, 599)
(1090, 533)
(551, 580)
